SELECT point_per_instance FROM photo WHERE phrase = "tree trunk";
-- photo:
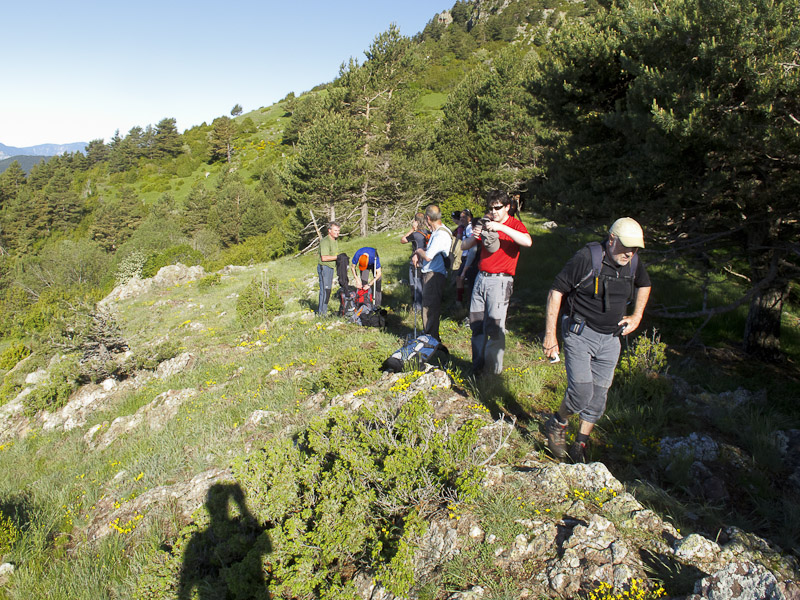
(364, 209)
(762, 331)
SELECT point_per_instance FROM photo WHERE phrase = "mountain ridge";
(41, 149)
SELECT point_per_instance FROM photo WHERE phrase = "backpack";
(347, 302)
(372, 318)
(364, 297)
(597, 252)
(455, 254)
(418, 350)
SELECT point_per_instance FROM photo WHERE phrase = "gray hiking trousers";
(590, 359)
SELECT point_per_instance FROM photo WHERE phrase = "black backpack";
(597, 251)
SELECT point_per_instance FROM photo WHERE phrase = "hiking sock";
(582, 438)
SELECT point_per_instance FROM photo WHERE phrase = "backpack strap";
(597, 252)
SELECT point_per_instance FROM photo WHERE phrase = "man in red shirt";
(501, 236)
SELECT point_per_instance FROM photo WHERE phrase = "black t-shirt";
(417, 239)
(603, 310)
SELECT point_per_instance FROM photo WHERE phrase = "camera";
(481, 222)
(456, 215)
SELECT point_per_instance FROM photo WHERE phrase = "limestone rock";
(698, 446)
(739, 581)
(185, 497)
(699, 552)
(168, 276)
(35, 378)
(173, 366)
(438, 545)
(155, 414)
(259, 418)
(593, 552)
(560, 479)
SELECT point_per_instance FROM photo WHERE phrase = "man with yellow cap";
(599, 282)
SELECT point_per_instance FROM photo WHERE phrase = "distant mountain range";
(41, 150)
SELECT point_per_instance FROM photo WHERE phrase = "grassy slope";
(53, 482)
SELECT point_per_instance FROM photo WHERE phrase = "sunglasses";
(498, 207)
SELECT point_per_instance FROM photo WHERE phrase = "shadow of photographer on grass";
(225, 560)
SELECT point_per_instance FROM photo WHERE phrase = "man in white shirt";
(434, 270)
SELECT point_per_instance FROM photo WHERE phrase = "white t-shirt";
(438, 247)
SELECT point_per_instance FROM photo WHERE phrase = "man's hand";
(550, 345)
(630, 323)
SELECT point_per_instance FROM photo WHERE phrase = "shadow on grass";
(225, 560)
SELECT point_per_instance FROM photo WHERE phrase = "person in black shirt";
(417, 238)
(598, 291)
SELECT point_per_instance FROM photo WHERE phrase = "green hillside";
(209, 404)
(102, 496)
(26, 162)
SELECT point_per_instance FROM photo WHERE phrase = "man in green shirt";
(328, 251)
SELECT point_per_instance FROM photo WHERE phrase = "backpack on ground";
(347, 302)
(371, 317)
(419, 350)
(364, 297)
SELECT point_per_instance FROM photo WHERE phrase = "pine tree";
(167, 139)
(327, 171)
(488, 137)
(97, 152)
(685, 115)
(115, 222)
(196, 208)
(11, 180)
(222, 134)
(58, 207)
(374, 99)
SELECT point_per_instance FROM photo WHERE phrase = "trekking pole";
(415, 305)
(374, 282)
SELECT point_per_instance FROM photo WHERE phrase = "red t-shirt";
(506, 257)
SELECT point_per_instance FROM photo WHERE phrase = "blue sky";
(77, 71)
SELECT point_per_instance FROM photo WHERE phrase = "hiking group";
(589, 298)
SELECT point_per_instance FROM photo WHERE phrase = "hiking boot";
(556, 437)
(577, 452)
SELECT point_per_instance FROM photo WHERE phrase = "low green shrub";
(348, 370)
(182, 253)
(149, 358)
(354, 491)
(9, 534)
(259, 301)
(54, 393)
(12, 355)
(9, 389)
(647, 354)
(209, 281)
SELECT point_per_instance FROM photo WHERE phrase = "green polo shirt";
(328, 247)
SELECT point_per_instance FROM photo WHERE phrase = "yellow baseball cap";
(629, 232)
